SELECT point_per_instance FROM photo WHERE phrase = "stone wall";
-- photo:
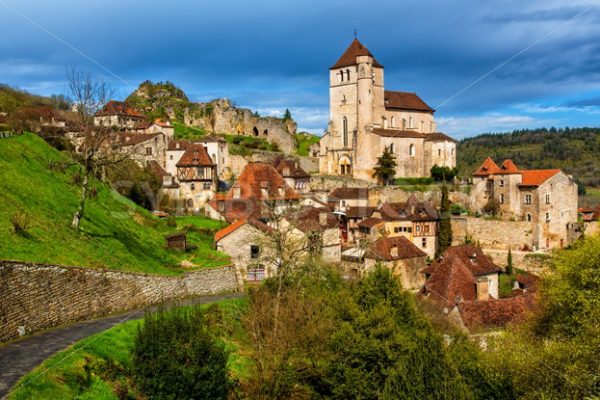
(309, 164)
(536, 263)
(493, 234)
(36, 297)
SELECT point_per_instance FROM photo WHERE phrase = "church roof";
(355, 49)
(399, 133)
(405, 101)
(439, 137)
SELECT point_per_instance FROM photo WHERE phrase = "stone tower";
(366, 119)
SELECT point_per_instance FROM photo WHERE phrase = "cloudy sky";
(485, 65)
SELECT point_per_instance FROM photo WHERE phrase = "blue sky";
(274, 54)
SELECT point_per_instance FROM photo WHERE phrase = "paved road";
(20, 357)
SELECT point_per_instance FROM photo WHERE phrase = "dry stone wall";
(36, 297)
(493, 234)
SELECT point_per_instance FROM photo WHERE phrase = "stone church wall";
(36, 297)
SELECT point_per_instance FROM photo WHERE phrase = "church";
(365, 119)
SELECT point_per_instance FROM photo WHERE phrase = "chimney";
(323, 218)
(483, 291)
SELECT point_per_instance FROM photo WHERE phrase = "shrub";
(414, 181)
(21, 222)
(443, 174)
(176, 357)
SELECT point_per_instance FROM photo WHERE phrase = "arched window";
(383, 123)
(345, 166)
(403, 123)
(342, 75)
(392, 150)
(348, 74)
(528, 217)
(392, 121)
(411, 150)
(410, 122)
(345, 131)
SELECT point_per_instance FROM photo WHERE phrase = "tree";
(176, 357)
(491, 207)
(385, 170)
(445, 232)
(90, 96)
(287, 115)
(509, 263)
(443, 174)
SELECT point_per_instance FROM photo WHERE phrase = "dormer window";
(237, 192)
(281, 192)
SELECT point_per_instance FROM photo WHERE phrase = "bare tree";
(90, 96)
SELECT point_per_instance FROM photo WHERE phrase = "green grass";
(183, 131)
(304, 140)
(93, 367)
(115, 233)
(591, 198)
(246, 145)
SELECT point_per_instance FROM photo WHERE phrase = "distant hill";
(12, 99)
(160, 100)
(38, 180)
(574, 150)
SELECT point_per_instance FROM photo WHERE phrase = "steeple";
(355, 49)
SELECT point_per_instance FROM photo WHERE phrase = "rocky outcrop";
(221, 116)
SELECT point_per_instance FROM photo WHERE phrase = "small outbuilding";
(177, 241)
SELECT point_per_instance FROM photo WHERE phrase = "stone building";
(463, 273)
(259, 190)
(118, 114)
(415, 220)
(142, 147)
(156, 126)
(398, 254)
(294, 175)
(322, 231)
(197, 177)
(365, 119)
(546, 198)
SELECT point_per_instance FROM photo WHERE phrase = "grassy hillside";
(115, 232)
(576, 151)
(304, 140)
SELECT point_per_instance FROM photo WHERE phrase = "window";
(424, 242)
(392, 148)
(237, 191)
(193, 186)
(418, 228)
(548, 199)
(411, 150)
(426, 229)
(254, 251)
(403, 123)
(383, 123)
(439, 152)
(501, 199)
(527, 199)
(422, 126)
(392, 122)
(397, 229)
(345, 131)
(501, 183)
(343, 203)
(348, 74)
(171, 157)
(255, 274)
(206, 186)
(528, 217)
(342, 76)
(547, 217)
(149, 151)
(410, 123)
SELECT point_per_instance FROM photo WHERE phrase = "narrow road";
(22, 356)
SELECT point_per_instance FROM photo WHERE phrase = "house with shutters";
(118, 114)
(196, 175)
(294, 175)
(546, 198)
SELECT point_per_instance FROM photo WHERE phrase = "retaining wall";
(34, 297)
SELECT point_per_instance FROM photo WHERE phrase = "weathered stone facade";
(36, 297)
(221, 116)
(546, 199)
(365, 120)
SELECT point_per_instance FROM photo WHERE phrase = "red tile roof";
(370, 222)
(529, 177)
(156, 169)
(489, 167)
(178, 144)
(438, 137)
(114, 107)
(309, 219)
(291, 169)
(257, 176)
(238, 224)
(125, 139)
(509, 167)
(535, 177)
(399, 133)
(496, 312)
(195, 156)
(355, 49)
(405, 101)
(234, 209)
(383, 249)
(359, 212)
(453, 276)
